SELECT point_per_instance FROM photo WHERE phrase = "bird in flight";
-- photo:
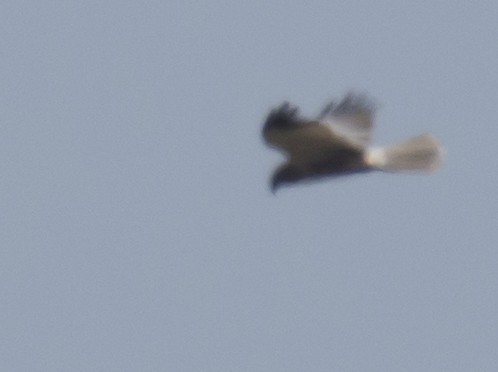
(337, 143)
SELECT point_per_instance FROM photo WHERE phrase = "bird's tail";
(421, 153)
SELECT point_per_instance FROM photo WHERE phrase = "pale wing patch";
(351, 119)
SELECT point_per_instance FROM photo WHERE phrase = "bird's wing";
(303, 140)
(351, 119)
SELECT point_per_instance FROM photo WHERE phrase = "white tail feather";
(421, 153)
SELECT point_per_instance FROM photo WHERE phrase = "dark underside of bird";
(337, 143)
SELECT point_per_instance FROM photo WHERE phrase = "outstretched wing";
(351, 118)
(303, 140)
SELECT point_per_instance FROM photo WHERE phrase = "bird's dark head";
(285, 174)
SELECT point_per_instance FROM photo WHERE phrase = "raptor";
(337, 142)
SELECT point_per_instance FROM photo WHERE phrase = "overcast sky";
(137, 229)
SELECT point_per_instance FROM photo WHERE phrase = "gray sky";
(137, 230)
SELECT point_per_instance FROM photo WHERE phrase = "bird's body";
(336, 143)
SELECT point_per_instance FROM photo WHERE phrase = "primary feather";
(352, 118)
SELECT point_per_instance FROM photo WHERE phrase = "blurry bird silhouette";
(336, 143)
